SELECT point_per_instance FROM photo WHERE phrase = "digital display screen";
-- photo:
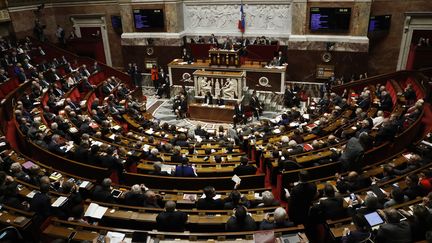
(148, 19)
(379, 23)
(329, 19)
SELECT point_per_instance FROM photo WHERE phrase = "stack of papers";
(84, 184)
(31, 194)
(190, 197)
(168, 168)
(95, 211)
(115, 237)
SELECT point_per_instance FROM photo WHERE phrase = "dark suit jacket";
(245, 170)
(209, 204)
(239, 111)
(171, 221)
(102, 195)
(332, 208)
(394, 233)
(41, 205)
(220, 102)
(233, 225)
(208, 100)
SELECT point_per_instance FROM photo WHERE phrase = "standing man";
(163, 84)
(239, 115)
(136, 75)
(256, 105)
(300, 201)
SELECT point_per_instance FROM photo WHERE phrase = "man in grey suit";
(394, 231)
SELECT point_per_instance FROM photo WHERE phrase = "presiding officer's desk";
(258, 76)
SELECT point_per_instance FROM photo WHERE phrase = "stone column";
(126, 15)
(299, 17)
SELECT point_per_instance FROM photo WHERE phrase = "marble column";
(126, 16)
(299, 17)
(360, 18)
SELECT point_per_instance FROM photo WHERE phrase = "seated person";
(280, 220)
(352, 182)
(102, 192)
(244, 168)
(208, 98)
(181, 109)
(413, 189)
(331, 206)
(393, 230)
(185, 170)
(235, 200)
(171, 219)
(208, 202)
(268, 200)
(360, 234)
(240, 221)
(396, 197)
(151, 199)
(219, 101)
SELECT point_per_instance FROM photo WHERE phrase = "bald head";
(170, 206)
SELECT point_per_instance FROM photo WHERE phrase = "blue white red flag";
(241, 23)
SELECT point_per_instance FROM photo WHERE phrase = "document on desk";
(168, 168)
(115, 237)
(59, 202)
(84, 184)
(95, 211)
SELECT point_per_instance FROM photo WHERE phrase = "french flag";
(241, 23)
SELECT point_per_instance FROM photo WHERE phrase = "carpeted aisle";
(11, 135)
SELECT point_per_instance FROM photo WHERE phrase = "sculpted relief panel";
(223, 18)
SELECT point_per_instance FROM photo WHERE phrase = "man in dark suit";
(386, 103)
(239, 115)
(213, 40)
(256, 105)
(135, 196)
(55, 145)
(209, 203)
(244, 168)
(41, 203)
(21, 75)
(219, 101)
(386, 132)
(200, 132)
(331, 207)
(208, 99)
(240, 221)
(281, 59)
(301, 198)
(102, 192)
(394, 230)
(181, 109)
(171, 220)
(227, 45)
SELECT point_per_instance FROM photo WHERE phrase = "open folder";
(95, 211)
